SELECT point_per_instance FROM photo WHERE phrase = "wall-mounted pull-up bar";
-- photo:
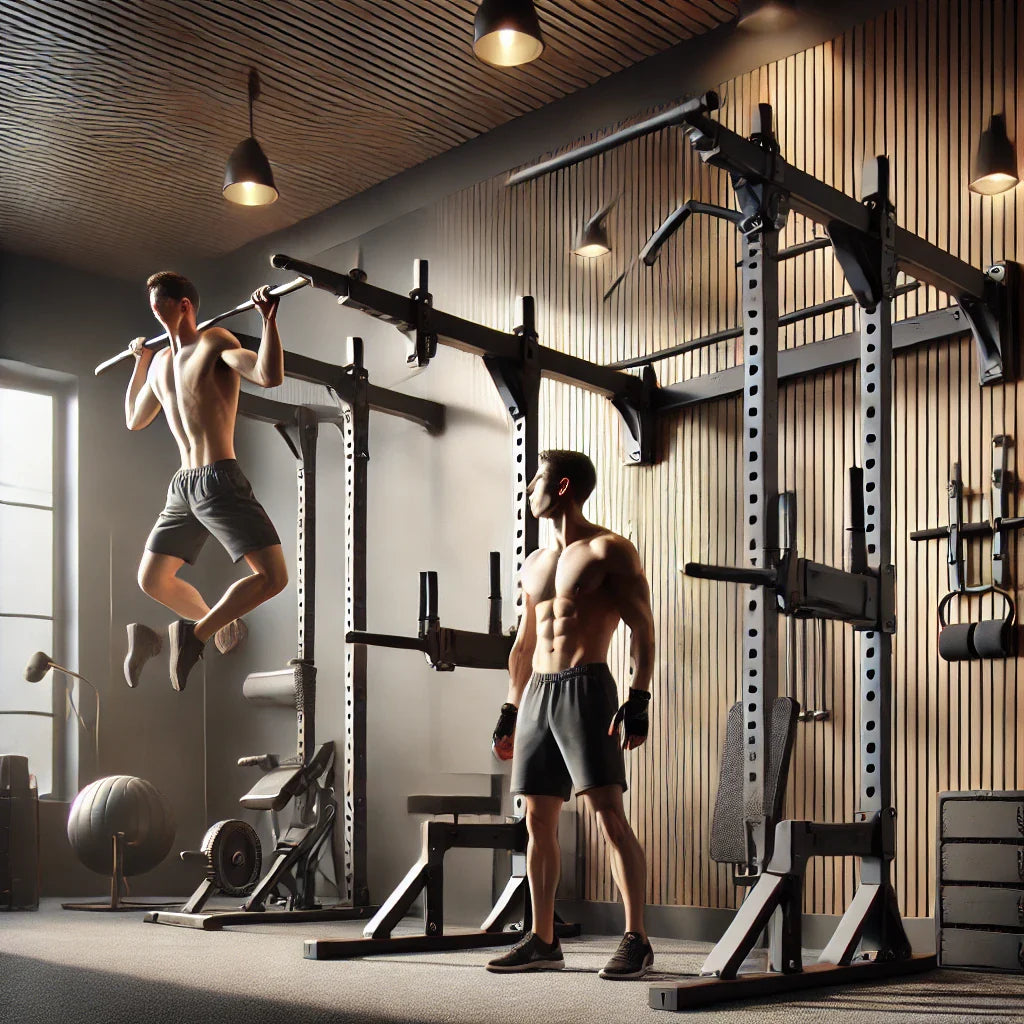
(160, 340)
(819, 309)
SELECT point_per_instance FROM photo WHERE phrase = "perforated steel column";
(875, 795)
(518, 383)
(760, 680)
(305, 550)
(356, 434)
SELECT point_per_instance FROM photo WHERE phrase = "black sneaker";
(530, 954)
(633, 959)
(143, 643)
(186, 650)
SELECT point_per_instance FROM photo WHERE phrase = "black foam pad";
(993, 638)
(728, 831)
(727, 839)
(956, 642)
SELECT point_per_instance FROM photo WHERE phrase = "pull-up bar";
(828, 306)
(702, 104)
(162, 339)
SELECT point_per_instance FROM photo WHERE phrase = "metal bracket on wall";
(987, 299)
(999, 528)
(633, 396)
(446, 649)
(991, 317)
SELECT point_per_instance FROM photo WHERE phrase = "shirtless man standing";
(196, 381)
(564, 698)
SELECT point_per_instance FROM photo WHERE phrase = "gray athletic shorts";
(562, 736)
(213, 499)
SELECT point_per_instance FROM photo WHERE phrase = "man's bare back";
(196, 382)
(199, 395)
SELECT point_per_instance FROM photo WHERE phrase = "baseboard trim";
(706, 924)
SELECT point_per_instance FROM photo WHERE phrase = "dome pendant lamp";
(592, 241)
(507, 33)
(995, 164)
(248, 179)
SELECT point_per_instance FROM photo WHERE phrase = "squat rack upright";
(870, 248)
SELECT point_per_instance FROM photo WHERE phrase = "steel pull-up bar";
(728, 333)
(162, 339)
(702, 104)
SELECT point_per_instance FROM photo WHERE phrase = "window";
(32, 520)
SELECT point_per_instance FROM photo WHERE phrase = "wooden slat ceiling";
(117, 117)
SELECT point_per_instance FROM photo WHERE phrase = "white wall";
(60, 319)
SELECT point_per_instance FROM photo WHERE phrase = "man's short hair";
(169, 285)
(573, 466)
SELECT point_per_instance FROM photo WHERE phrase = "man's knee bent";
(275, 579)
(269, 566)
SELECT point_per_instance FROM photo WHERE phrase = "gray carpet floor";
(60, 967)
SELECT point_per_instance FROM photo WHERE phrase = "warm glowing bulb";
(507, 38)
(250, 193)
(993, 184)
(591, 251)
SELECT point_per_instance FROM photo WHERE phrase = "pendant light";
(592, 240)
(995, 160)
(506, 33)
(248, 179)
(995, 163)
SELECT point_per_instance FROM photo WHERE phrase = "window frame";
(62, 390)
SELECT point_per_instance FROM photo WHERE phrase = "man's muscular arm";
(265, 367)
(635, 609)
(141, 404)
(633, 595)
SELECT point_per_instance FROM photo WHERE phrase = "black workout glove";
(632, 715)
(504, 731)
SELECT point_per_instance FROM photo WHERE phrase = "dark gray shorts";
(562, 736)
(213, 499)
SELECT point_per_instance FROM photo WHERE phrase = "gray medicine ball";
(121, 803)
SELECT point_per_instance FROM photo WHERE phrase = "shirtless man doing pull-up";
(560, 724)
(196, 381)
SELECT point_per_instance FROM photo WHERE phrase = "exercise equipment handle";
(494, 598)
(318, 277)
(402, 643)
(731, 574)
(495, 594)
(702, 104)
(162, 339)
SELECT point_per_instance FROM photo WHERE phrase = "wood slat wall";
(917, 84)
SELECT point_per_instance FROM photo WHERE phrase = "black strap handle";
(732, 574)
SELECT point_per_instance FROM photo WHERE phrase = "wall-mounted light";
(507, 33)
(765, 15)
(248, 179)
(592, 240)
(39, 664)
(995, 162)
